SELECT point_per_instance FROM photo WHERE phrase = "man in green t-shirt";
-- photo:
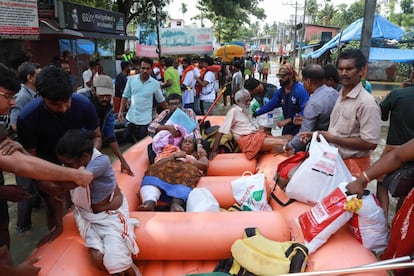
(171, 79)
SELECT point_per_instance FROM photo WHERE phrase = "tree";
(183, 9)
(311, 9)
(326, 15)
(406, 6)
(266, 29)
(228, 16)
(346, 15)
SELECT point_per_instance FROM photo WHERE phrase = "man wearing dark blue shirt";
(292, 97)
(43, 121)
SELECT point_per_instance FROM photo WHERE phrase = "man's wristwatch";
(284, 148)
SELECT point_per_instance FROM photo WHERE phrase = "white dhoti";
(109, 232)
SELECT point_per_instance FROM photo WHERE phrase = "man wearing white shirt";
(208, 83)
(89, 74)
(188, 82)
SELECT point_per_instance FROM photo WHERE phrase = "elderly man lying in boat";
(176, 171)
(239, 123)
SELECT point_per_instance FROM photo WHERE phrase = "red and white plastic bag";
(326, 217)
(319, 174)
(369, 225)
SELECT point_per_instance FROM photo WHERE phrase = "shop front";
(58, 26)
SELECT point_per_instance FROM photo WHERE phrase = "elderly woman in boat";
(173, 175)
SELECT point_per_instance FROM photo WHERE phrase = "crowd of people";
(50, 125)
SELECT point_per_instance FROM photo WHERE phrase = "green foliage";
(326, 15)
(407, 6)
(312, 9)
(404, 19)
(183, 9)
(229, 16)
(101, 4)
(346, 15)
(351, 45)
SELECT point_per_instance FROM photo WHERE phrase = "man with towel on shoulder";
(239, 123)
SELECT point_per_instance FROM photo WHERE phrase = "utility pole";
(302, 37)
(158, 50)
(368, 23)
(293, 58)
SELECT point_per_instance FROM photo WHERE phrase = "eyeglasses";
(281, 76)
(7, 96)
(174, 103)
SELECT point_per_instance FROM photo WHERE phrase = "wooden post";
(367, 26)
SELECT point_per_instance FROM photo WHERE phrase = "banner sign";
(179, 41)
(19, 19)
(85, 18)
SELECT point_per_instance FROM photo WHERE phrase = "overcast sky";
(276, 10)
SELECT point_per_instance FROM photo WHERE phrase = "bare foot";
(148, 205)
(177, 205)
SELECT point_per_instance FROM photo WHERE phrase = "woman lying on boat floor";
(101, 211)
(174, 174)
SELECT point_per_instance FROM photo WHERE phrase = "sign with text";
(19, 19)
(85, 18)
(180, 41)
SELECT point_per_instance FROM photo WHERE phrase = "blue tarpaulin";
(397, 55)
(84, 46)
(382, 28)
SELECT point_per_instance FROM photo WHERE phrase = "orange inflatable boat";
(229, 52)
(176, 244)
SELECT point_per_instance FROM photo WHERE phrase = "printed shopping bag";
(319, 174)
(328, 216)
(249, 191)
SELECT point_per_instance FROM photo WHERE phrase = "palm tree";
(183, 8)
(311, 8)
(326, 14)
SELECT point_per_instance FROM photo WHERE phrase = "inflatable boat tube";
(221, 188)
(231, 164)
(201, 236)
(176, 244)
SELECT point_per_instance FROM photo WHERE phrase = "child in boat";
(101, 210)
(173, 175)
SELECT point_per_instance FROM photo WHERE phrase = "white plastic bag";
(319, 174)
(270, 118)
(325, 218)
(369, 225)
(202, 200)
(249, 191)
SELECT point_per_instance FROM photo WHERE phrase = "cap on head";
(103, 85)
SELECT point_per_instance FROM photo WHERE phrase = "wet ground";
(23, 246)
